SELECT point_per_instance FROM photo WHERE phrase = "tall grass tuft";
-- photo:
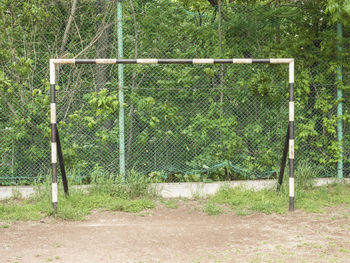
(304, 174)
(133, 186)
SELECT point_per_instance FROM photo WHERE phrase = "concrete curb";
(174, 190)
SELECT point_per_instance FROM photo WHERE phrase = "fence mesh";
(181, 121)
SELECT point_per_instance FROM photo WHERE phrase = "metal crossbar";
(54, 135)
(174, 61)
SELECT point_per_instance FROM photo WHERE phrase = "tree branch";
(69, 23)
(9, 105)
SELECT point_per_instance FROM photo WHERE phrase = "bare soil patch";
(184, 234)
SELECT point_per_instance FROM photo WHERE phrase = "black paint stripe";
(53, 132)
(223, 61)
(54, 206)
(126, 61)
(291, 130)
(54, 172)
(85, 61)
(291, 168)
(260, 60)
(291, 91)
(291, 204)
(175, 61)
(170, 61)
(52, 93)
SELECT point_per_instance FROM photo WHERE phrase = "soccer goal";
(56, 153)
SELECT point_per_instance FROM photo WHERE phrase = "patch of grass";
(245, 201)
(24, 210)
(242, 212)
(315, 200)
(307, 197)
(5, 226)
(107, 192)
(133, 206)
(171, 204)
(78, 204)
(213, 209)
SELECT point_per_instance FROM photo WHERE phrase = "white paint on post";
(281, 60)
(52, 72)
(203, 61)
(54, 193)
(291, 149)
(291, 71)
(53, 152)
(53, 113)
(105, 61)
(242, 61)
(147, 61)
(291, 111)
(291, 186)
(63, 61)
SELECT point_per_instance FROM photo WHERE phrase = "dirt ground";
(184, 234)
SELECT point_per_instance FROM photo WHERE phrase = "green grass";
(244, 201)
(213, 209)
(316, 199)
(171, 204)
(307, 197)
(21, 210)
(134, 194)
(106, 192)
(75, 207)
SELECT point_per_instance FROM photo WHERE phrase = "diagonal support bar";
(284, 160)
(61, 162)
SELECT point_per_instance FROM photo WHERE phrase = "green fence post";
(339, 98)
(121, 91)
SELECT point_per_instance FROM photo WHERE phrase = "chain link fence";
(182, 122)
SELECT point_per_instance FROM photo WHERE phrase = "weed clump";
(213, 209)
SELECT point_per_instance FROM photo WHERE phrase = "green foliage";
(102, 102)
(180, 119)
(339, 10)
(204, 129)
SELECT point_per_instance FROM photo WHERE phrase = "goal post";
(53, 120)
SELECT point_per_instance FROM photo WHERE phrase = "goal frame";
(53, 118)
